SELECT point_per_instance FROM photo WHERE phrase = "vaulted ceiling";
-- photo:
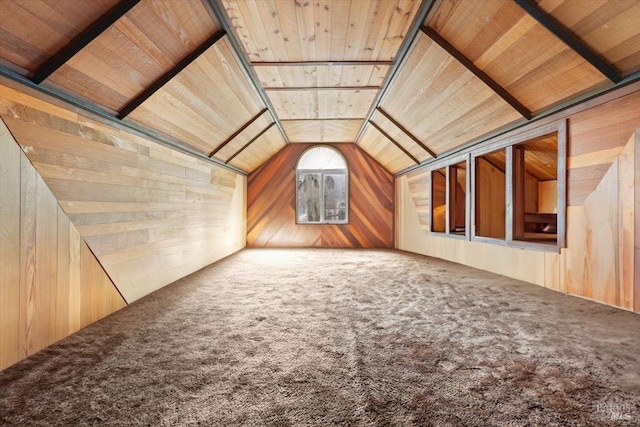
(236, 80)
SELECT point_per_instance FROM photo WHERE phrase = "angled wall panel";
(150, 214)
(51, 284)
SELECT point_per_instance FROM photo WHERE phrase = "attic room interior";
(320, 212)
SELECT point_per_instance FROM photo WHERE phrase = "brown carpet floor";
(338, 337)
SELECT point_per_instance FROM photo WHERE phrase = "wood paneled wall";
(601, 260)
(271, 199)
(51, 284)
(150, 214)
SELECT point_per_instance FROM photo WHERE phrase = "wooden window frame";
(559, 127)
(447, 165)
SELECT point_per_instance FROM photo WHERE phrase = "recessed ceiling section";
(135, 51)
(32, 32)
(328, 131)
(321, 30)
(259, 151)
(205, 104)
(442, 103)
(381, 148)
(516, 51)
(609, 28)
(322, 104)
(283, 76)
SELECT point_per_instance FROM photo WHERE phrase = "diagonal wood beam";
(398, 62)
(138, 100)
(318, 63)
(570, 39)
(262, 132)
(81, 40)
(386, 135)
(217, 12)
(238, 132)
(499, 90)
(406, 132)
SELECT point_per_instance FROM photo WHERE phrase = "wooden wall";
(51, 284)
(150, 214)
(602, 214)
(271, 199)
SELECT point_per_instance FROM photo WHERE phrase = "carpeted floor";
(339, 337)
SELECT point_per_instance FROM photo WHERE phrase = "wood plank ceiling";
(406, 80)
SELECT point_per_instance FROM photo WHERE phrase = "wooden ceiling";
(234, 81)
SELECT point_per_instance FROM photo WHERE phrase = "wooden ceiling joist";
(414, 29)
(406, 132)
(218, 11)
(569, 39)
(319, 63)
(499, 90)
(307, 88)
(238, 132)
(81, 40)
(164, 79)
(386, 135)
(251, 141)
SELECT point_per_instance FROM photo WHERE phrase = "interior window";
(535, 189)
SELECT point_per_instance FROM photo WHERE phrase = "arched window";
(322, 186)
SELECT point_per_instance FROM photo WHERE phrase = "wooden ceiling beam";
(262, 132)
(319, 63)
(398, 61)
(568, 38)
(80, 41)
(313, 88)
(238, 132)
(499, 90)
(386, 135)
(215, 8)
(406, 132)
(321, 120)
(165, 78)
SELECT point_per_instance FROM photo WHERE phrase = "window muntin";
(322, 183)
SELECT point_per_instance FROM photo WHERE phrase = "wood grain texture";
(44, 291)
(516, 51)
(151, 215)
(441, 102)
(607, 27)
(205, 104)
(336, 30)
(330, 131)
(280, 76)
(596, 138)
(271, 205)
(10, 226)
(322, 104)
(380, 147)
(135, 51)
(57, 23)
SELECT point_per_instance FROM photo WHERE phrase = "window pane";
(438, 196)
(490, 194)
(308, 197)
(335, 197)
